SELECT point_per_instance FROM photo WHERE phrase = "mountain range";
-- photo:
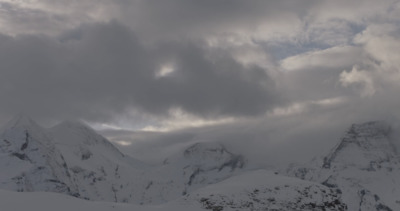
(362, 172)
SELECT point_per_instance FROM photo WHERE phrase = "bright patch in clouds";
(301, 107)
(165, 70)
(180, 119)
(331, 58)
(358, 77)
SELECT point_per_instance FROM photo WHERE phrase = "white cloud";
(380, 70)
(335, 57)
(306, 106)
(381, 42)
(359, 77)
(165, 70)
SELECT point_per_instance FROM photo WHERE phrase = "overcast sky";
(252, 70)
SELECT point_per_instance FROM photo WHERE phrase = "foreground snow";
(41, 201)
(254, 190)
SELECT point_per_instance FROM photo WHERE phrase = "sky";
(290, 73)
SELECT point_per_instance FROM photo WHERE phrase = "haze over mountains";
(360, 173)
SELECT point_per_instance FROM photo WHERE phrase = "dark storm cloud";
(217, 85)
(99, 70)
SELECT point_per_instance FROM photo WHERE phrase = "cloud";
(100, 70)
(360, 77)
(331, 58)
(51, 17)
(380, 66)
(276, 75)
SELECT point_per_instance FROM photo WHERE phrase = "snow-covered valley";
(70, 166)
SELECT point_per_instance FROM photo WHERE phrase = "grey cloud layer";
(98, 60)
(168, 19)
(279, 76)
(100, 70)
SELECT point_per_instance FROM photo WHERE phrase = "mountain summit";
(364, 166)
(22, 122)
(31, 160)
(363, 145)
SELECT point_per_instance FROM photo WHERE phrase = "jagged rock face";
(364, 166)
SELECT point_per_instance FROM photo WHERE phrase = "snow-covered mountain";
(197, 166)
(361, 173)
(30, 161)
(71, 158)
(364, 165)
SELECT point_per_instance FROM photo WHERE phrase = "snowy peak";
(70, 158)
(22, 122)
(194, 167)
(20, 131)
(32, 162)
(205, 149)
(364, 165)
(74, 124)
(77, 133)
(362, 144)
(367, 135)
(202, 153)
